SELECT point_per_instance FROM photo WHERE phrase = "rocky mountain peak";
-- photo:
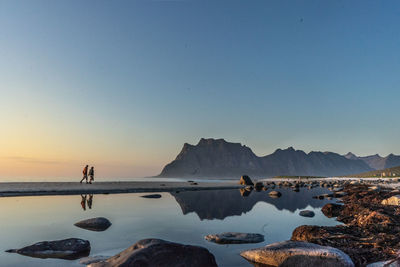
(218, 158)
(350, 155)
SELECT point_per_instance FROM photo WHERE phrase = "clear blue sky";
(126, 83)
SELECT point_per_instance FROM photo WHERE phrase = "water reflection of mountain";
(219, 204)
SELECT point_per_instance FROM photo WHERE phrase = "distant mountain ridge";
(217, 158)
(377, 162)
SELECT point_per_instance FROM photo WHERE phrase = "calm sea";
(184, 217)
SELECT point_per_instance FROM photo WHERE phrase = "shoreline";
(14, 189)
(369, 233)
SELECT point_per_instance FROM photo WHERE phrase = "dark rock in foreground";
(245, 180)
(97, 224)
(307, 213)
(69, 249)
(152, 196)
(235, 238)
(160, 253)
(299, 254)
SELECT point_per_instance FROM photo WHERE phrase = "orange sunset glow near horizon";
(122, 86)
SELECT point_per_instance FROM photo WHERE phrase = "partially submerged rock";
(301, 254)
(97, 224)
(307, 213)
(235, 238)
(275, 194)
(245, 180)
(394, 200)
(152, 196)
(69, 249)
(160, 253)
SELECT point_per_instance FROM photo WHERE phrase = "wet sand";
(75, 188)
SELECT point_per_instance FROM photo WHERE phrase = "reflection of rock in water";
(244, 192)
(219, 204)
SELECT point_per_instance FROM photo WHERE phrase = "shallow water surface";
(184, 217)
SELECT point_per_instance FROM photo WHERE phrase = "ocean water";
(184, 217)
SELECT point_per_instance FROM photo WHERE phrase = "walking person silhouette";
(91, 175)
(85, 174)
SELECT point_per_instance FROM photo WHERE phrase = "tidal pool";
(183, 217)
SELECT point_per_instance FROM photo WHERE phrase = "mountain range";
(217, 158)
(377, 162)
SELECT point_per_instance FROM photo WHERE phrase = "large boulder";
(97, 224)
(332, 210)
(245, 180)
(299, 254)
(394, 200)
(160, 253)
(235, 238)
(70, 249)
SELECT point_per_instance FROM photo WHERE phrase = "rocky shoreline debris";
(371, 225)
(369, 211)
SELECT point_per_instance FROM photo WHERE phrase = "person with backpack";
(85, 174)
(91, 175)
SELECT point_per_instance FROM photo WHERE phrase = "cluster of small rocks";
(336, 186)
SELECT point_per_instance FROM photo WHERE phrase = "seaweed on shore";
(371, 231)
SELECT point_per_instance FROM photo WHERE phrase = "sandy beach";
(73, 188)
